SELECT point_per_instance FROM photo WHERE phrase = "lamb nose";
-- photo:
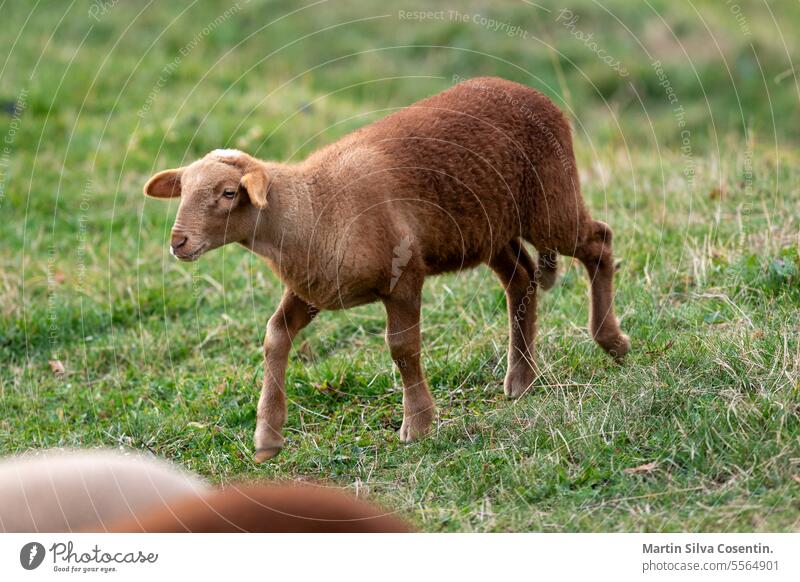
(178, 240)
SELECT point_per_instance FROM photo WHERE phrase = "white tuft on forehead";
(227, 153)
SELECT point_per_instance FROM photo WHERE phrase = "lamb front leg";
(513, 267)
(292, 315)
(403, 337)
(596, 255)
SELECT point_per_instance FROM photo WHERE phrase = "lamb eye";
(229, 194)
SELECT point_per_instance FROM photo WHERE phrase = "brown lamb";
(453, 181)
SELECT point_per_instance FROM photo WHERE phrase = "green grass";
(166, 357)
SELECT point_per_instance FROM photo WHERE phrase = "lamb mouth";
(193, 256)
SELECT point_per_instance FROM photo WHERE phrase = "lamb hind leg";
(403, 337)
(595, 253)
(292, 315)
(512, 266)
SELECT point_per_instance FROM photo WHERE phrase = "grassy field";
(692, 156)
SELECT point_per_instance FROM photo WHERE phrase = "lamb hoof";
(519, 381)
(266, 454)
(619, 348)
(515, 389)
(417, 427)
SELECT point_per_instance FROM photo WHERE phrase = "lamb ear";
(256, 184)
(166, 184)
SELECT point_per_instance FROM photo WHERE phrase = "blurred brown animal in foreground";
(67, 490)
(112, 491)
(263, 508)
